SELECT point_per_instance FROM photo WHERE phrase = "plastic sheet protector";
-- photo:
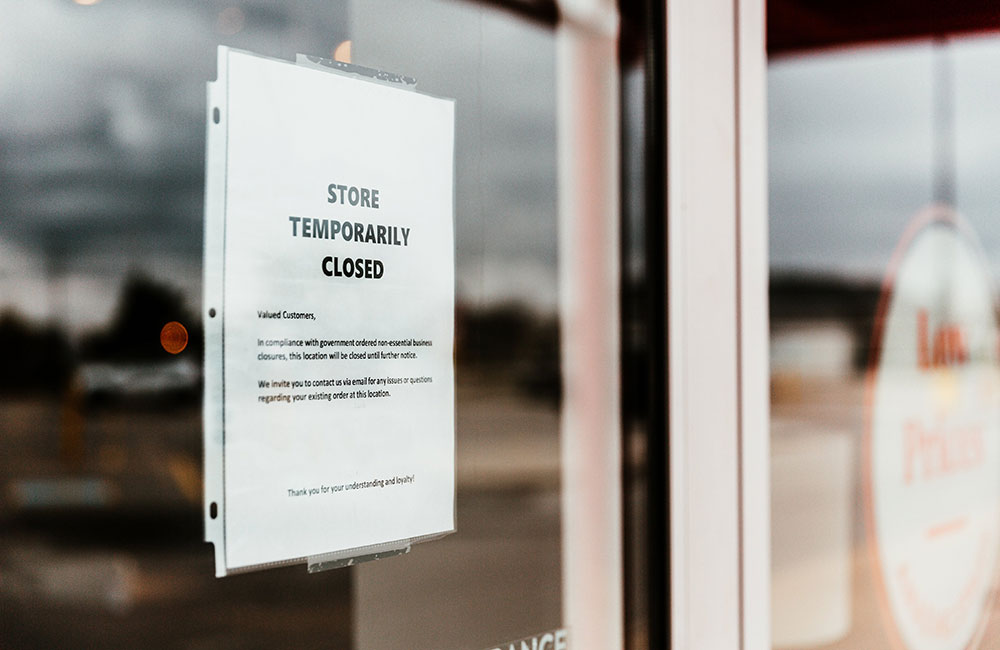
(329, 416)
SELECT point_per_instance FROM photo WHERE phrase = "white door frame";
(717, 325)
(589, 248)
(718, 397)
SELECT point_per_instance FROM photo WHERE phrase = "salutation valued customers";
(352, 267)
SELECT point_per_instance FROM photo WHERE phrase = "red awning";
(802, 25)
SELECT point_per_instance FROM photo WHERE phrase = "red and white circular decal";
(932, 447)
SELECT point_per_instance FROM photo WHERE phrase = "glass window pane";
(884, 431)
(102, 166)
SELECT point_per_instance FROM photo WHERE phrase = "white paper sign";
(329, 415)
(932, 454)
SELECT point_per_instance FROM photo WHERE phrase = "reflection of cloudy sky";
(501, 73)
(102, 136)
(852, 151)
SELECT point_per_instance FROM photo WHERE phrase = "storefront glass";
(102, 168)
(884, 257)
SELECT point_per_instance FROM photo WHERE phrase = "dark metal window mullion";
(645, 404)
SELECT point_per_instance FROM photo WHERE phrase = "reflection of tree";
(811, 297)
(511, 343)
(32, 357)
(144, 307)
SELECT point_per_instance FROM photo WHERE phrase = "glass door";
(102, 171)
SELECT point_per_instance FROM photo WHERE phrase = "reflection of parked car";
(145, 383)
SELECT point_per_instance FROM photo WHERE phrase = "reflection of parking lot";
(60, 454)
(123, 565)
(498, 578)
(824, 591)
